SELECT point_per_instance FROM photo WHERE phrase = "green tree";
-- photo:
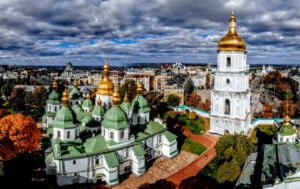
(6, 89)
(17, 100)
(130, 87)
(173, 100)
(228, 171)
(35, 102)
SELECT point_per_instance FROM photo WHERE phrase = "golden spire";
(105, 87)
(287, 119)
(99, 102)
(126, 97)
(232, 41)
(65, 98)
(140, 88)
(116, 99)
(88, 96)
(54, 85)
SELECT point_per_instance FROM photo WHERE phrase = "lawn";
(196, 126)
(191, 146)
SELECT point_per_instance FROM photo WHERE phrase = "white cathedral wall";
(106, 101)
(238, 61)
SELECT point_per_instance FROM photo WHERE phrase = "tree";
(35, 102)
(193, 100)
(228, 171)
(6, 89)
(130, 87)
(173, 100)
(287, 107)
(267, 111)
(18, 134)
(17, 100)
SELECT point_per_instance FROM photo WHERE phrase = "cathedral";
(230, 96)
(101, 140)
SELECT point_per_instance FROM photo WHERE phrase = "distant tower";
(230, 96)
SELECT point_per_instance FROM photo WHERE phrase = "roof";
(65, 118)
(139, 104)
(287, 130)
(138, 150)
(169, 136)
(87, 103)
(98, 111)
(54, 98)
(115, 118)
(154, 127)
(111, 159)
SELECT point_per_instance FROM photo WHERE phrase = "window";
(68, 134)
(58, 134)
(228, 62)
(227, 81)
(74, 162)
(111, 136)
(97, 160)
(227, 106)
(122, 134)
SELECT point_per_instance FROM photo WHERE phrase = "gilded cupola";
(105, 87)
(139, 88)
(65, 98)
(116, 99)
(232, 41)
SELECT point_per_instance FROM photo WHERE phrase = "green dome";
(87, 103)
(125, 106)
(115, 118)
(98, 111)
(64, 118)
(76, 108)
(54, 98)
(140, 104)
(287, 130)
(75, 93)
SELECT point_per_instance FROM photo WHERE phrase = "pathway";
(209, 141)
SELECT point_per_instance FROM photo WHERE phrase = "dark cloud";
(144, 30)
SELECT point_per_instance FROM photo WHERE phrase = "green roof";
(115, 118)
(139, 104)
(64, 118)
(96, 144)
(287, 130)
(154, 127)
(170, 136)
(111, 159)
(138, 150)
(75, 93)
(125, 106)
(141, 136)
(53, 98)
(98, 111)
(87, 103)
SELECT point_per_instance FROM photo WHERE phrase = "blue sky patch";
(68, 45)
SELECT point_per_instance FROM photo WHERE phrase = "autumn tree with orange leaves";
(267, 111)
(18, 134)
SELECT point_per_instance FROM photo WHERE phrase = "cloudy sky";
(54, 32)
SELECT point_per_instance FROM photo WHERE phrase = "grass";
(193, 147)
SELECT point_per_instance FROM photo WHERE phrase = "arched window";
(228, 62)
(111, 135)
(227, 106)
(68, 134)
(58, 134)
(227, 81)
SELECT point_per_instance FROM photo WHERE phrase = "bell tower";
(230, 96)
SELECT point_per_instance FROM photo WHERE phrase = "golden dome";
(54, 84)
(105, 87)
(139, 87)
(232, 41)
(65, 98)
(286, 120)
(116, 99)
(88, 96)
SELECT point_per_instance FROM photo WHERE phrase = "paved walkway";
(209, 141)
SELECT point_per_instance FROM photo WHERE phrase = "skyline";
(84, 32)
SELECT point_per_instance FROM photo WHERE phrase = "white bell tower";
(230, 96)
